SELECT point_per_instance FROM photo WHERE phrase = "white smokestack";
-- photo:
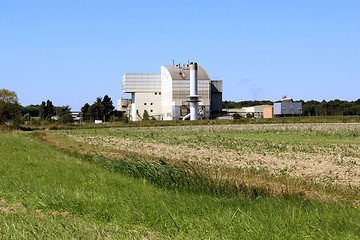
(193, 91)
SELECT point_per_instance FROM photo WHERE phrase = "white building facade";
(165, 96)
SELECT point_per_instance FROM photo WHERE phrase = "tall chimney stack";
(193, 91)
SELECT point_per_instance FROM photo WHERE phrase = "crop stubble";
(322, 152)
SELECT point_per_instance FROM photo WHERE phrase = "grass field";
(322, 152)
(279, 181)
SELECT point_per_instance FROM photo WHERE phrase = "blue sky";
(74, 51)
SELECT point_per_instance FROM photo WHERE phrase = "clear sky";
(74, 51)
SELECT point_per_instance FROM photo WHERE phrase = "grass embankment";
(47, 193)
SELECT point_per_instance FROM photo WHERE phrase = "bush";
(35, 122)
(125, 118)
(236, 116)
(146, 116)
(16, 123)
(66, 118)
(114, 118)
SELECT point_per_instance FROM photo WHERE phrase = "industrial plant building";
(248, 112)
(168, 95)
(287, 107)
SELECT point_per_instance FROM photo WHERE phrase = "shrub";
(236, 116)
(146, 116)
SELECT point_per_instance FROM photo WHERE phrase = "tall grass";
(180, 176)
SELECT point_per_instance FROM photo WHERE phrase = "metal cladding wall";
(141, 82)
(175, 86)
(181, 90)
(145, 89)
(277, 108)
(216, 95)
(288, 108)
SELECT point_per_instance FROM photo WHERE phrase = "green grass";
(105, 203)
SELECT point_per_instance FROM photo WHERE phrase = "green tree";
(145, 116)
(117, 116)
(9, 106)
(107, 107)
(32, 110)
(65, 115)
(49, 109)
(95, 111)
(42, 111)
(101, 109)
(85, 112)
(46, 110)
(27, 117)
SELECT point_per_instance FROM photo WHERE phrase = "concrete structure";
(166, 95)
(287, 107)
(194, 97)
(269, 112)
(123, 105)
(77, 116)
(145, 92)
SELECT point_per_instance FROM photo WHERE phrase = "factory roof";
(183, 72)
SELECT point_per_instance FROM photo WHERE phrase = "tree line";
(13, 114)
(232, 104)
(310, 108)
(102, 109)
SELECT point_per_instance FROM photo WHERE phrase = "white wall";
(166, 94)
(151, 102)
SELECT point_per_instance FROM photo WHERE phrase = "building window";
(144, 103)
(159, 93)
(155, 93)
(151, 103)
(151, 110)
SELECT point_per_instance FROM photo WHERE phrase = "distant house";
(77, 117)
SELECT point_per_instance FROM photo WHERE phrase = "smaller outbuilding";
(268, 112)
(287, 107)
(248, 112)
